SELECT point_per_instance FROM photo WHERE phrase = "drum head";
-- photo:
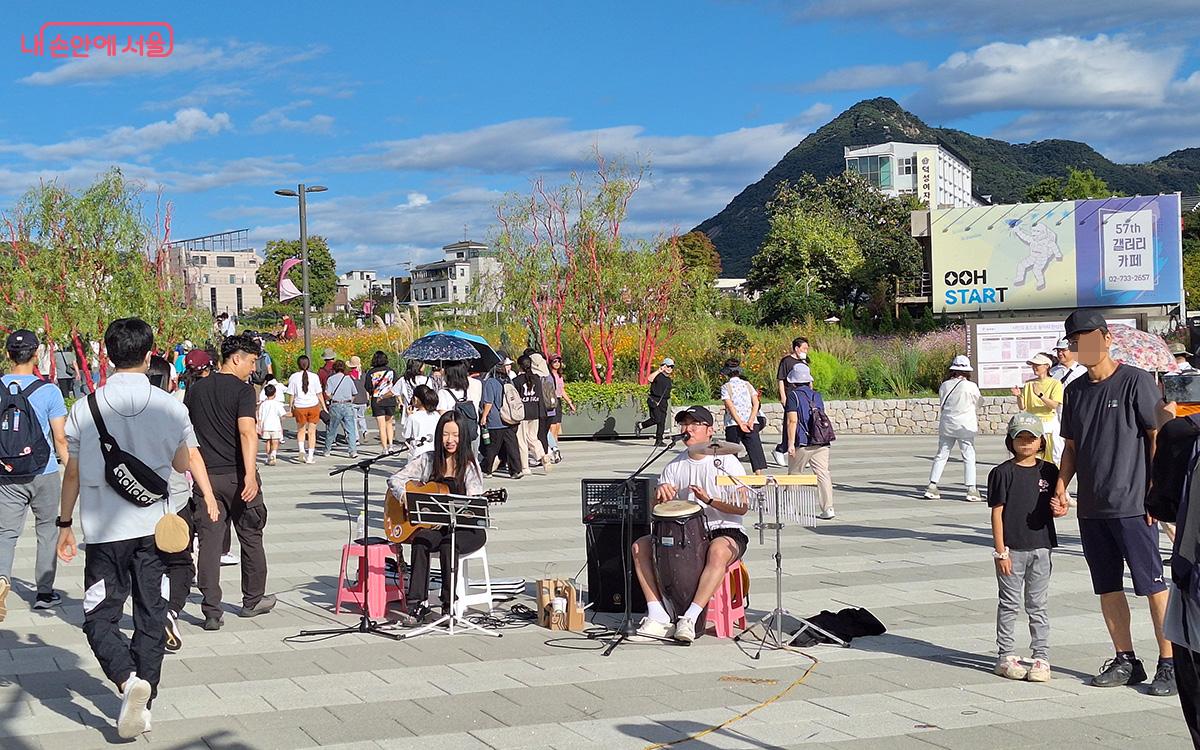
(676, 509)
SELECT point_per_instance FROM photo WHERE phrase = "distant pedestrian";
(307, 401)
(658, 401)
(529, 385)
(1110, 422)
(362, 397)
(798, 354)
(33, 417)
(805, 448)
(65, 370)
(328, 357)
(1042, 397)
(419, 427)
(564, 398)
(502, 436)
(742, 423)
(270, 420)
(340, 389)
(380, 382)
(958, 422)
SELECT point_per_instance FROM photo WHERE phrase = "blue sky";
(419, 119)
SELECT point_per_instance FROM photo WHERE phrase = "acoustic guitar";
(398, 527)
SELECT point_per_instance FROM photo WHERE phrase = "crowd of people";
(175, 434)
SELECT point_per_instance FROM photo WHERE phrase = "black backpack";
(470, 415)
(24, 449)
(260, 375)
(820, 429)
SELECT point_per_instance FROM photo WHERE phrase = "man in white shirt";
(121, 557)
(694, 480)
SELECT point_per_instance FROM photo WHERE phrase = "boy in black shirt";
(1019, 492)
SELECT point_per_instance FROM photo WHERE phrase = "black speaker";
(606, 578)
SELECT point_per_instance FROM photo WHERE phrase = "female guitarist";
(450, 463)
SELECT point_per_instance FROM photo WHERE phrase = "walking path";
(921, 567)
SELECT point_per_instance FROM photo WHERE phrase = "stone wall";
(895, 416)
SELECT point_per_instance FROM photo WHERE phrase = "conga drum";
(680, 534)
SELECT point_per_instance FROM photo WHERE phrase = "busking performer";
(693, 479)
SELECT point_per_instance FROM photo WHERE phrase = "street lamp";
(300, 192)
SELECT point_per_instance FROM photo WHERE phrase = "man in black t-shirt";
(1110, 420)
(787, 364)
(222, 409)
(658, 401)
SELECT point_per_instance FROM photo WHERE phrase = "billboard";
(927, 159)
(1115, 252)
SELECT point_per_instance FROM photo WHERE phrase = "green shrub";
(606, 396)
(901, 376)
(873, 377)
(733, 341)
(832, 377)
(904, 323)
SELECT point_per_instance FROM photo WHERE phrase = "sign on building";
(1116, 252)
(1001, 349)
(927, 159)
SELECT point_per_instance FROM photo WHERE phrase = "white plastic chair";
(463, 598)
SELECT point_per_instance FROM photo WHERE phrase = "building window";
(225, 261)
(205, 278)
(455, 291)
(452, 270)
(233, 280)
(877, 170)
(907, 166)
(199, 260)
(239, 300)
(212, 299)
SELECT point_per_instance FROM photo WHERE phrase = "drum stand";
(772, 637)
(628, 628)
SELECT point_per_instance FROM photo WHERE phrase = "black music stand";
(453, 511)
(628, 629)
(365, 623)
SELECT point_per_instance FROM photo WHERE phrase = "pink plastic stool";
(371, 560)
(727, 608)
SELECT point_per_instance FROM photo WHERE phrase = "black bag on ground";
(24, 450)
(124, 472)
(847, 624)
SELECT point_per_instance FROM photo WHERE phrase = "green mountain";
(999, 169)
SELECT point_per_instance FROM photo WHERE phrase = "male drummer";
(694, 480)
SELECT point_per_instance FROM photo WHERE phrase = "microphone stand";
(628, 628)
(365, 623)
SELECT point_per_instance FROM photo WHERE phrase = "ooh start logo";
(80, 39)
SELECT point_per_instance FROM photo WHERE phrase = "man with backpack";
(808, 434)
(501, 424)
(33, 418)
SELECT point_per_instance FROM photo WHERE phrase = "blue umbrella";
(485, 356)
(440, 347)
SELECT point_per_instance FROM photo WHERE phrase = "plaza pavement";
(922, 567)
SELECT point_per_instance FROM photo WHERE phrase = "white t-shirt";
(180, 488)
(270, 415)
(421, 424)
(959, 399)
(280, 389)
(737, 391)
(304, 399)
(143, 420)
(474, 394)
(403, 389)
(684, 471)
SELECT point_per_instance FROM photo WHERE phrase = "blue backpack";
(24, 450)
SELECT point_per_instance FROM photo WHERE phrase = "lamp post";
(300, 192)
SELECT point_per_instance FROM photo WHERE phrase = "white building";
(470, 274)
(935, 174)
(360, 283)
(219, 271)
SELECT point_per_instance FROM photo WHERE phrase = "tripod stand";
(365, 623)
(797, 509)
(627, 628)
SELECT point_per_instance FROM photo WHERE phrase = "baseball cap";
(197, 359)
(800, 373)
(1063, 344)
(328, 354)
(1039, 359)
(20, 339)
(1082, 321)
(1025, 422)
(961, 363)
(668, 362)
(697, 414)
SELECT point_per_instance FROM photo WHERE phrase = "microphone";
(677, 437)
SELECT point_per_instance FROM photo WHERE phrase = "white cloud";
(415, 200)
(860, 77)
(128, 141)
(198, 56)
(1055, 73)
(277, 119)
(201, 95)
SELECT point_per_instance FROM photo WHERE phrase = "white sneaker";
(827, 514)
(1039, 671)
(652, 630)
(932, 493)
(134, 718)
(685, 630)
(1011, 667)
(973, 495)
(230, 559)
